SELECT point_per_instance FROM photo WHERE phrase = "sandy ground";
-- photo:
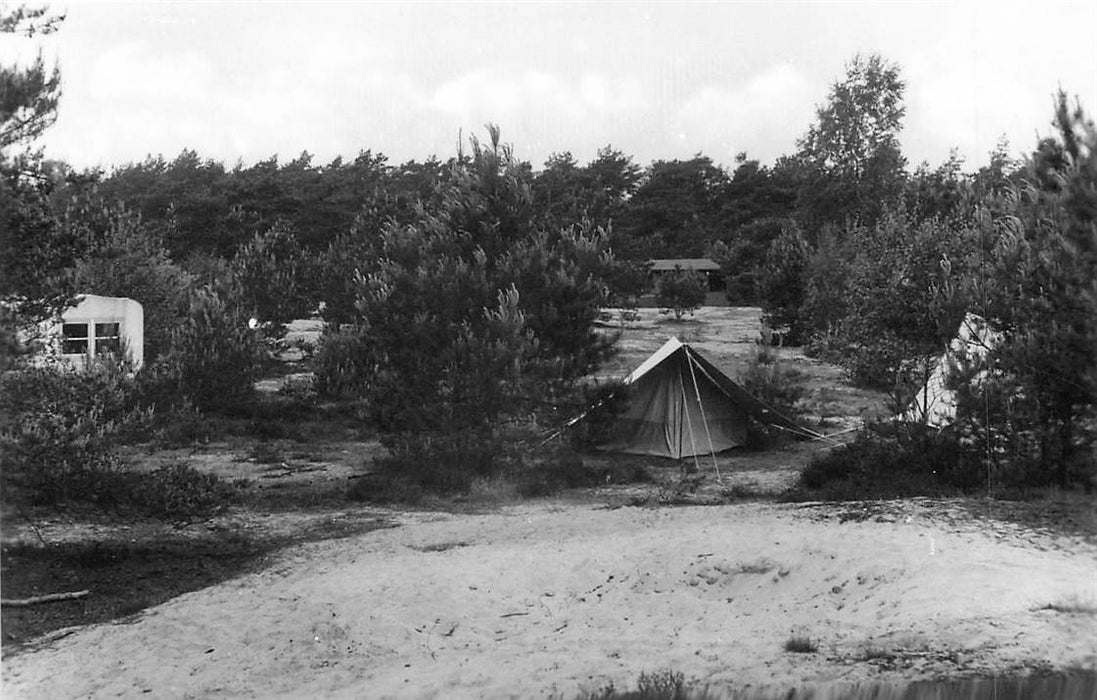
(545, 599)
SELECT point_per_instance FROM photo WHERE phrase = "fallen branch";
(35, 600)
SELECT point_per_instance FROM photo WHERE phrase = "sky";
(243, 81)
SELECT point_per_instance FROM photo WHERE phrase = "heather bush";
(59, 429)
(892, 461)
(177, 492)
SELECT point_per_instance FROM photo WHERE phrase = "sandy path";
(544, 599)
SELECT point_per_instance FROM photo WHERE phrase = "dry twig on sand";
(49, 598)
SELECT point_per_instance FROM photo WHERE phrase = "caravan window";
(74, 339)
(107, 339)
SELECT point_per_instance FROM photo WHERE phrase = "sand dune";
(539, 600)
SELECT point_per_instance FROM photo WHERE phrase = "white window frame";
(91, 336)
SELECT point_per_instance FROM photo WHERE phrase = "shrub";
(892, 462)
(59, 428)
(680, 291)
(778, 386)
(772, 382)
(340, 372)
(471, 320)
(780, 282)
(607, 400)
(178, 492)
(566, 470)
(442, 463)
(272, 273)
(59, 433)
(628, 281)
(658, 685)
(129, 260)
(800, 644)
(213, 358)
(181, 425)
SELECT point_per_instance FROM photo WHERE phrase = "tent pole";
(689, 421)
(704, 419)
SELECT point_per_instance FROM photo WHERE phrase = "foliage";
(562, 282)
(339, 370)
(882, 301)
(33, 249)
(628, 280)
(675, 210)
(657, 685)
(850, 163)
(177, 492)
(801, 644)
(128, 260)
(680, 291)
(602, 402)
(212, 361)
(468, 318)
(339, 266)
(611, 180)
(755, 193)
(273, 276)
(28, 95)
(742, 256)
(35, 258)
(561, 191)
(780, 283)
(942, 193)
(59, 429)
(565, 469)
(1038, 281)
(826, 289)
(772, 382)
(892, 462)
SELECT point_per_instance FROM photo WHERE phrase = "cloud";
(508, 95)
(135, 71)
(540, 111)
(764, 115)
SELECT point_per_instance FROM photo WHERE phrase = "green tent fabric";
(680, 405)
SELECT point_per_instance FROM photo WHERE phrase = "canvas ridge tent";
(935, 403)
(680, 405)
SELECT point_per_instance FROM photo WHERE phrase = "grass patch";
(1072, 605)
(744, 492)
(762, 566)
(441, 546)
(512, 482)
(800, 644)
(658, 685)
(266, 453)
(871, 652)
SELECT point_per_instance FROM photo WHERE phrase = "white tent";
(680, 405)
(935, 404)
